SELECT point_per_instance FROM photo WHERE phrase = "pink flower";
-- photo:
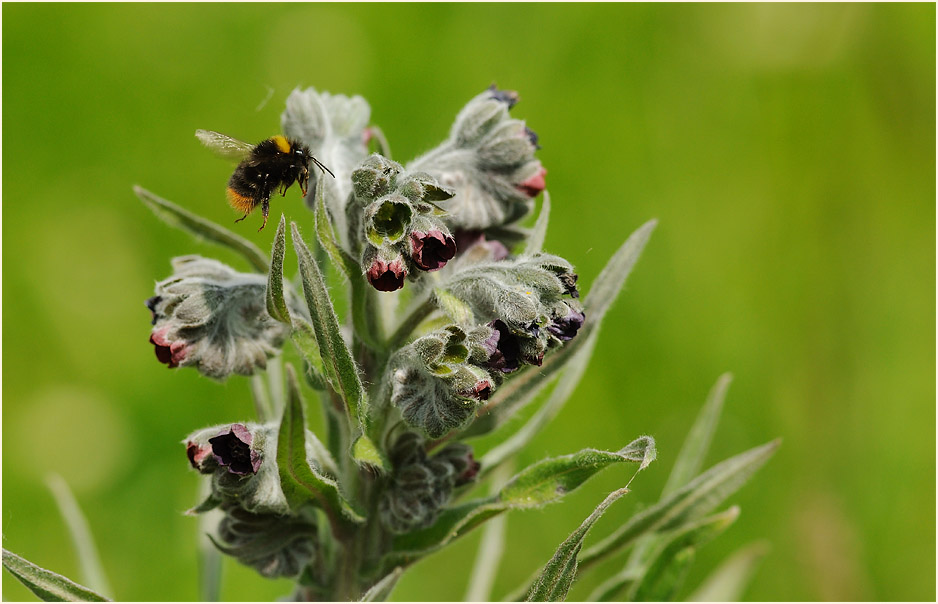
(430, 251)
(385, 276)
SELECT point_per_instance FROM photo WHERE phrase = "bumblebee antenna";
(322, 167)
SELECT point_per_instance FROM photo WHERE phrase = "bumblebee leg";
(265, 208)
(242, 218)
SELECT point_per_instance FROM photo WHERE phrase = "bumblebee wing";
(223, 145)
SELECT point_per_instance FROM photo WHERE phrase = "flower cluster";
(421, 485)
(211, 317)
(399, 221)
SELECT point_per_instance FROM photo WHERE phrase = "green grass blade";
(180, 218)
(694, 451)
(340, 368)
(92, 571)
(47, 585)
(558, 574)
(729, 580)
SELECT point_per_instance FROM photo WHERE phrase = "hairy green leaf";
(537, 485)
(301, 483)
(558, 574)
(692, 501)
(611, 279)
(276, 302)
(47, 585)
(340, 368)
(178, 217)
(669, 565)
(304, 338)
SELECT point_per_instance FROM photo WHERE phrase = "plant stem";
(410, 322)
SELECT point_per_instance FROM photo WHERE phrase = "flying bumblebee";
(271, 164)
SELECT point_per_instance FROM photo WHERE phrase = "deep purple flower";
(233, 449)
(505, 348)
(564, 328)
(387, 277)
(430, 251)
(509, 97)
(152, 304)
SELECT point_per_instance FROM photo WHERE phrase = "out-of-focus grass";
(787, 150)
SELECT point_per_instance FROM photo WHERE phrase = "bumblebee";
(272, 164)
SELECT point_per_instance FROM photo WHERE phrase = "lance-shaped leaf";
(537, 485)
(381, 591)
(178, 217)
(687, 504)
(557, 576)
(669, 566)
(47, 585)
(729, 580)
(527, 383)
(340, 368)
(276, 302)
(304, 338)
(92, 571)
(365, 314)
(300, 482)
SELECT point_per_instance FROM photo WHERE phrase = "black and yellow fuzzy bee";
(271, 164)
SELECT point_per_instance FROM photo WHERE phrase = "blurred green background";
(787, 150)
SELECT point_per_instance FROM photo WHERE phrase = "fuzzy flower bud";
(274, 545)
(215, 319)
(431, 250)
(489, 161)
(437, 381)
(421, 485)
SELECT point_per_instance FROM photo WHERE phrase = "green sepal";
(300, 482)
(47, 585)
(180, 218)
(210, 503)
(554, 581)
(365, 452)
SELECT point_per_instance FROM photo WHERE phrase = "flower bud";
(421, 486)
(213, 318)
(385, 268)
(489, 163)
(233, 450)
(564, 326)
(274, 545)
(374, 178)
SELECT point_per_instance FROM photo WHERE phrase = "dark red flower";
(387, 277)
(431, 251)
(201, 458)
(534, 184)
(170, 353)
(481, 391)
(233, 449)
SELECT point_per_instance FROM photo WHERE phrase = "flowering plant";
(456, 320)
